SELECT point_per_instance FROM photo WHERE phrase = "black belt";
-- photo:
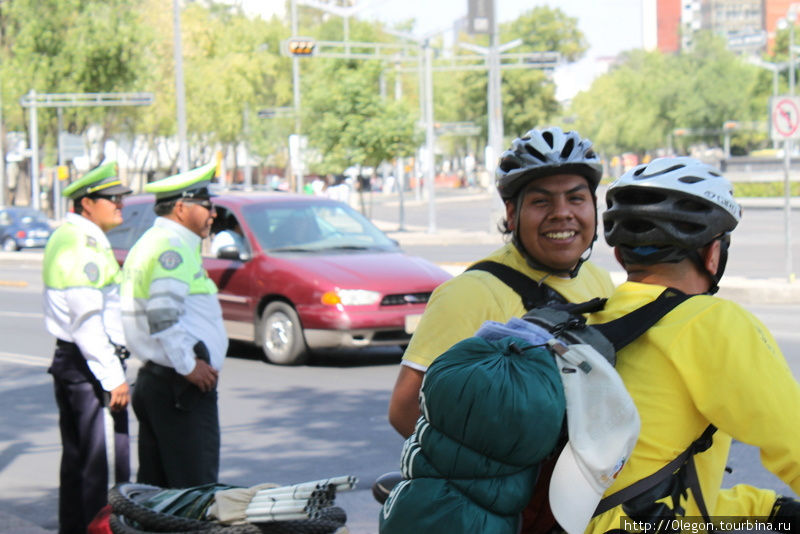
(157, 369)
(66, 345)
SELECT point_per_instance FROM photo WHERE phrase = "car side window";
(136, 219)
(226, 230)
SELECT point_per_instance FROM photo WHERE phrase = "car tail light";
(21, 234)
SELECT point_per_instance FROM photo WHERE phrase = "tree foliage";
(638, 104)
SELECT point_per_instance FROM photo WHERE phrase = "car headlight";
(350, 297)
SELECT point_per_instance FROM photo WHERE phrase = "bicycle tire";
(119, 526)
(124, 506)
(121, 499)
(331, 520)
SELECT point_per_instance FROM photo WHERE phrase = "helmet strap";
(724, 244)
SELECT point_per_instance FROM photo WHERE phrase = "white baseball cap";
(603, 426)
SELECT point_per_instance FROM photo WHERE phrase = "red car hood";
(386, 272)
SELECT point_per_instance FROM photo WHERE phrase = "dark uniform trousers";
(84, 478)
(179, 434)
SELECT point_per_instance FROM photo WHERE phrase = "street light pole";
(791, 15)
(180, 90)
(296, 166)
(430, 175)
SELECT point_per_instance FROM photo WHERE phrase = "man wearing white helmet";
(707, 372)
(547, 180)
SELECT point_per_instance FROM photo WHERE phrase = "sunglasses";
(116, 199)
(202, 202)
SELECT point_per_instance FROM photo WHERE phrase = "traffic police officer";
(82, 310)
(173, 322)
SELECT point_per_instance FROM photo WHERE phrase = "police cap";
(103, 180)
(190, 184)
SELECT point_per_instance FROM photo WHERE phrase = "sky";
(610, 26)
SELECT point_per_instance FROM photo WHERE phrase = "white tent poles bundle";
(342, 483)
(300, 501)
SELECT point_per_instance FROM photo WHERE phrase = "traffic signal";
(300, 46)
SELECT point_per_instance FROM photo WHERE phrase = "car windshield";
(304, 227)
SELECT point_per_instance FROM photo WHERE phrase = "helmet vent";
(508, 164)
(637, 226)
(639, 197)
(688, 205)
(535, 153)
(690, 228)
(547, 135)
(690, 179)
(567, 150)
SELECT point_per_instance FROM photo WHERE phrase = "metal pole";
(57, 203)
(297, 168)
(248, 171)
(399, 171)
(787, 149)
(3, 184)
(34, 127)
(429, 138)
(495, 109)
(180, 90)
(774, 95)
(422, 115)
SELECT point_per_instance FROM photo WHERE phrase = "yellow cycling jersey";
(707, 361)
(460, 306)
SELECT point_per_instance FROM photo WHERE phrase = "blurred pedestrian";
(82, 310)
(173, 323)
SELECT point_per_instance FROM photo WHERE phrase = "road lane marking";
(37, 315)
(25, 359)
(13, 283)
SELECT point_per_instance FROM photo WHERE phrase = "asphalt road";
(281, 424)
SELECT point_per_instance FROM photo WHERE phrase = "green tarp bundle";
(491, 412)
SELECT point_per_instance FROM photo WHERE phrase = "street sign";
(785, 117)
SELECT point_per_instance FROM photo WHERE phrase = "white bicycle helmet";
(542, 153)
(670, 201)
(665, 210)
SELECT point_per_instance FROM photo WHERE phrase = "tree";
(528, 94)
(640, 101)
(352, 124)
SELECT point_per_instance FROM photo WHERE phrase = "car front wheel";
(281, 335)
(9, 245)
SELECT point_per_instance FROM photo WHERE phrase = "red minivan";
(304, 273)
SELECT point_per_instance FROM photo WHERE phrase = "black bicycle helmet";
(665, 210)
(542, 153)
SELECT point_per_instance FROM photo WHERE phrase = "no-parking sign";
(785, 117)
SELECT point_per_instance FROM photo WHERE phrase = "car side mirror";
(231, 252)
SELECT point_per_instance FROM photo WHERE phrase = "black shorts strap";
(533, 293)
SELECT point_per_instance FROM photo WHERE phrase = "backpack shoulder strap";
(627, 328)
(533, 293)
(621, 332)
(683, 463)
